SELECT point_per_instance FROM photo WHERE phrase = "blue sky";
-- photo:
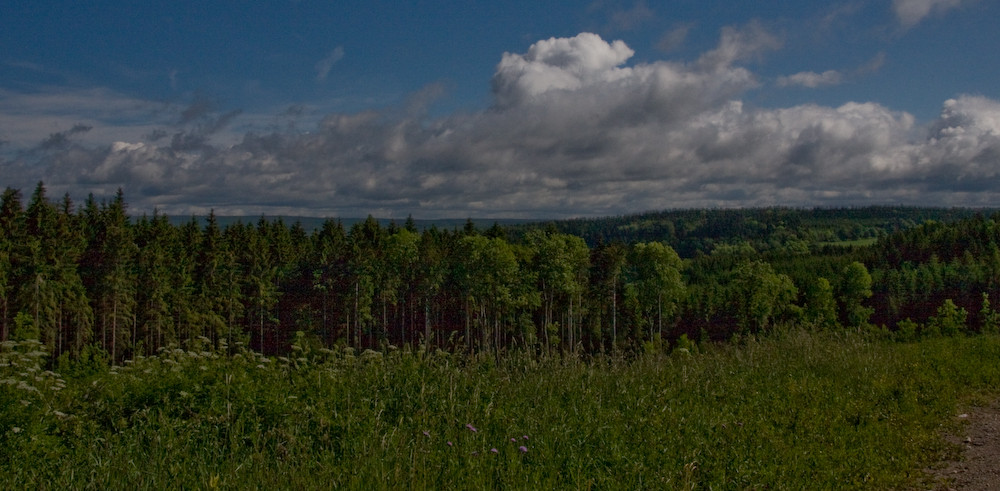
(501, 109)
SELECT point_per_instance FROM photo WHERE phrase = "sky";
(517, 109)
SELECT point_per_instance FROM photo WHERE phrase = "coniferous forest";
(91, 276)
(754, 348)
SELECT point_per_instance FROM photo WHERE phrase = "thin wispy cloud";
(812, 79)
(632, 17)
(674, 38)
(324, 66)
(912, 12)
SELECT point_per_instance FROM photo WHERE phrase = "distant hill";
(315, 223)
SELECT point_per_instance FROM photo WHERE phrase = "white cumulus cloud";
(559, 64)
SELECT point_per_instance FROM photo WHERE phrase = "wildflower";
(513, 440)
(471, 428)
(494, 450)
(525, 437)
(15, 429)
(450, 444)
(428, 434)
(523, 449)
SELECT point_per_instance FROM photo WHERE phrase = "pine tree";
(217, 289)
(12, 237)
(108, 268)
(329, 276)
(155, 239)
(75, 315)
(607, 264)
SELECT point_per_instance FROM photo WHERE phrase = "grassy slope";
(795, 410)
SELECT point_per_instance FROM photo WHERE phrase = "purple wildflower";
(525, 437)
(449, 444)
(513, 440)
(471, 428)
(427, 433)
(494, 450)
(523, 449)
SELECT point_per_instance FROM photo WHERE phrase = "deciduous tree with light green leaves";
(855, 288)
(492, 275)
(561, 262)
(820, 307)
(655, 272)
(950, 319)
(761, 295)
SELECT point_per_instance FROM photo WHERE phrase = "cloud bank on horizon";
(573, 129)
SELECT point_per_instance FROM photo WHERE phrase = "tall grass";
(795, 410)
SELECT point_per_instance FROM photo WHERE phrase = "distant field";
(850, 243)
(794, 410)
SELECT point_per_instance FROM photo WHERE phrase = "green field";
(868, 241)
(792, 410)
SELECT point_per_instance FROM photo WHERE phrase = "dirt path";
(979, 467)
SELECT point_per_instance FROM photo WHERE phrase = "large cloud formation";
(573, 131)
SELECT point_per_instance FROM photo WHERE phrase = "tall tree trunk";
(614, 315)
(427, 324)
(357, 326)
(114, 331)
(659, 314)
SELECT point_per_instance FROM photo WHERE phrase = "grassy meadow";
(795, 409)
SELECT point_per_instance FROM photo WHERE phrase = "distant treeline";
(91, 277)
(698, 230)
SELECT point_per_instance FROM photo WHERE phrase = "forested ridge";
(90, 277)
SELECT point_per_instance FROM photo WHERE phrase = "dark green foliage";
(135, 286)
